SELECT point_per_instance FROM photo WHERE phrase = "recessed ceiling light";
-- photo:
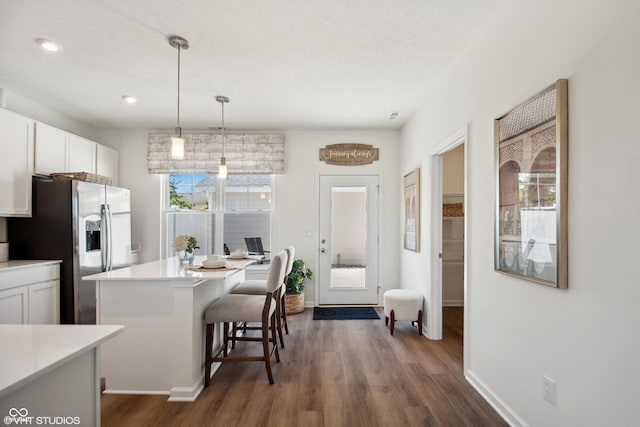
(48, 45)
(393, 115)
(129, 99)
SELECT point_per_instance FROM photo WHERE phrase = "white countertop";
(171, 269)
(29, 351)
(16, 264)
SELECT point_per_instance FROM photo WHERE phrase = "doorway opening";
(447, 245)
(453, 227)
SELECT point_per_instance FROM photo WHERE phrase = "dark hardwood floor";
(332, 373)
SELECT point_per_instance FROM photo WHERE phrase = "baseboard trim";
(496, 403)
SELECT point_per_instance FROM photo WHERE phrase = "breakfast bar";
(161, 305)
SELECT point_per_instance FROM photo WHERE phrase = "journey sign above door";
(349, 154)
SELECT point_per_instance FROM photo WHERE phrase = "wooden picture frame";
(412, 210)
(531, 143)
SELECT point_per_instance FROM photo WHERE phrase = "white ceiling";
(283, 63)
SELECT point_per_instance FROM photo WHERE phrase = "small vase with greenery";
(186, 246)
(294, 298)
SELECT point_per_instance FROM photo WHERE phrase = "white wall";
(295, 215)
(32, 109)
(585, 338)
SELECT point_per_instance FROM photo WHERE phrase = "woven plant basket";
(294, 303)
(81, 176)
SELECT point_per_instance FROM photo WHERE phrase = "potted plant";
(294, 295)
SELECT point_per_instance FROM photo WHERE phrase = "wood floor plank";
(332, 373)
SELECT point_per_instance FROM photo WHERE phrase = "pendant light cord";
(178, 118)
(222, 128)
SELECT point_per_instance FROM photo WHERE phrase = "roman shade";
(246, 153)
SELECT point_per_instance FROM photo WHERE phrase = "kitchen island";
(161, 304)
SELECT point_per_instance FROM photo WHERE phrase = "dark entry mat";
(344, 313)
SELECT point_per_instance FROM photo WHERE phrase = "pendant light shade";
(177, 142)
(177, 148)
(222, 169)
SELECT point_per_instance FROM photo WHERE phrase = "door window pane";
(348, 236)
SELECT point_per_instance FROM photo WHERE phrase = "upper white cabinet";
(16, 163)
(107, 162)
(52, 145)
(59, 151)
(82, 155)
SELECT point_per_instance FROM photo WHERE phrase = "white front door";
(348, 267)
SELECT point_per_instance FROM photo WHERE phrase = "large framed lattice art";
(531, 209)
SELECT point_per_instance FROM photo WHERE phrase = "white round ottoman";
(403, 304)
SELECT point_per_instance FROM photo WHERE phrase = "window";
(243, 210)
(192, 191)
(248, 193)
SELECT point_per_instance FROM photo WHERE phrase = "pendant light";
(177, 142)
(222, 169)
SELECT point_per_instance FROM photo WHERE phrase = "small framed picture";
(412, 210)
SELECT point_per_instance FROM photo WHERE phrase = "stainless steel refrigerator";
(87, 226)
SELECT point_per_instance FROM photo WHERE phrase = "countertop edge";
(18, 264)
(106, 332)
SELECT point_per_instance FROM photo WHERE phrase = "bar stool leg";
(225, 332)
(208, 355)
(393, 321)
(284, 314)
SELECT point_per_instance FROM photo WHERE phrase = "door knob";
(322, 250)
(323, 241)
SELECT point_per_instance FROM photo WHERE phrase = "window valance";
(245, 153)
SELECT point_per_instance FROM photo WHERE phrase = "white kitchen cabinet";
(44, 299)
(107, 162)
(82, 155)
(14, 305)
(51, 148)
(16, 163)
(30, 292)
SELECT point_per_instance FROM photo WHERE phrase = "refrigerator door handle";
(109, 248)
(103, 236)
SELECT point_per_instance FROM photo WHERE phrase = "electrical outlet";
(549, 389)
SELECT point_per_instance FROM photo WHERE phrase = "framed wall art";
(531, 212)
(412, 210)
